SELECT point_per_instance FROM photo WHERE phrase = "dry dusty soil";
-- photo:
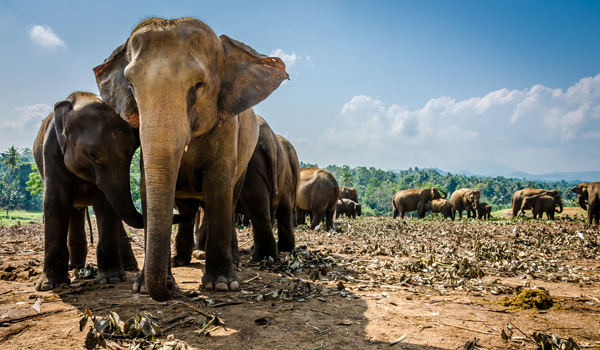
(371, 283)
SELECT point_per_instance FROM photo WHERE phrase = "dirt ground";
(371, 283)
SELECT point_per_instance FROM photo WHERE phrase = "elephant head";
(97, 146)
(435, 193)
(358, 209)
(180, 82)
(582, 194)
(473, 197)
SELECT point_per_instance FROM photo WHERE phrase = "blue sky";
(389, 84)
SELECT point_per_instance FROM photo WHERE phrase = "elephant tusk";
(185, 149)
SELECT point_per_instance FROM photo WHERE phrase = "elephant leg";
(285, 230)
(128, 260)
(201, 230)
(184, 237)
(219, 199)
(76, 240)
(58, 200)
(395, 213)
(593, 211)
(109, 258)
(329, 217)
(316, 218)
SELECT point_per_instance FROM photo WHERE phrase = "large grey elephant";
(415, 199)
(269, 193)
(466, 199)
(83, 151)
(588, 197)
(318, 192)
(192, 94)
(518, 196)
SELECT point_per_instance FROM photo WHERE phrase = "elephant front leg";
(77, 241)
(58, 200)
(219, 274)
(184, 238)
(108, 254)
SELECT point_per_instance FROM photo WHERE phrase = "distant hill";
(493, 169)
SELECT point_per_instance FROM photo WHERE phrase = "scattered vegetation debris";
(85, 273)
(141, 327)
(528, 299)
(18, 273)
(543, 341)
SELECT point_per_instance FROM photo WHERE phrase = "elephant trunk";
(164, 133)
(560, 205)
(120, 199)
(445, 195)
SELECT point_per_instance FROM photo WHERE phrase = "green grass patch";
(20, 216)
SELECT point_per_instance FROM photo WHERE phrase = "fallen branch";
(14, 332)
(466, 329)
(209, 316)
(22, 318)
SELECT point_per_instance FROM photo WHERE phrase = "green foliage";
(134, 179)
(16, 168)
(376, 187)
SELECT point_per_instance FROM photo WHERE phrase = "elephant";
(589, 192)
(415, 199)
(518, 196)
(442, 206)
(349, 192)
(83, 151)
(347, 207)
(268, 193)
(539, 204)
(465, 199)
(484, 211)
(191, 93)
(318, 192)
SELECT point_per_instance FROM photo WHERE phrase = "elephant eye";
(93, 156)
(197, 86)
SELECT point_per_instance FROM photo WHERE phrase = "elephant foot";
(139, 285)
(129, 262)
(111, 276)
(182, 260)
(48, 283)
(258, 253)
(222, 280)
(285, 245)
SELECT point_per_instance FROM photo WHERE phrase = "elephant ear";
(248, 77)
(114, 88)
(61, 111)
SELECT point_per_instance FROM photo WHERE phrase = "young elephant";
(318, 193)
(347, 207)
(588, 197)
(83, 151)
(539, 204)
(442, 206)
(484, 211)
(415, 199)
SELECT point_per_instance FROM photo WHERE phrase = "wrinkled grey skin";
(465, 199)
(484, 211)
(442, 206)
(415, 199)
(83, 151)
(518, 196)
(318, 192)
(588, 197)
(192, 93)
(539, 204)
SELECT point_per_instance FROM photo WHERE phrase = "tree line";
(21, 186)
(376, 187)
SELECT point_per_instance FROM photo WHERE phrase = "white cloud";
(45, 36)
(20, 127)
(538, 129)
(292, 60)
